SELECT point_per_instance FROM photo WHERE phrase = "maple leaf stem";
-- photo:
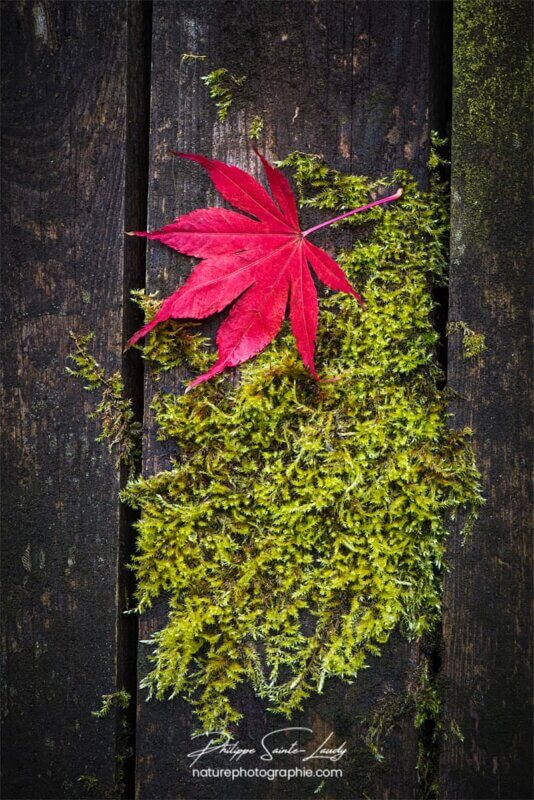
(354, 211)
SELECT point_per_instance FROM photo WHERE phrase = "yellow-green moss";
(119, 426)
(222, 86)
(490, 55)
(474, 344)
(256, 128)
(300, 523)
(121, 699)
(493, 62)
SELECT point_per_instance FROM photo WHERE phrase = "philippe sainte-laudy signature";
(279, 743)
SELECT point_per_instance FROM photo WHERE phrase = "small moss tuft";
(474, 344)
(121, 699)
(256, 128)
(222, 86)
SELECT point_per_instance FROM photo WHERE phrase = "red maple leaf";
(259, 261)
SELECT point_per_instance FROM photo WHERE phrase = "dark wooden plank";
(487, 659)
(349, 80)
(64, 153)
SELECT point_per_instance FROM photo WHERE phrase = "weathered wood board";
(349, 80)
(487, 630)
(64, 180)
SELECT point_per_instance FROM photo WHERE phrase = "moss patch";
(300, 523)
(493, 61)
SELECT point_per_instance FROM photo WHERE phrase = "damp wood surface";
(64, 144)
(487, 625)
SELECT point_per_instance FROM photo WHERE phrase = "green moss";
(119, 427)
(121, 699)
(422, 703)
(256, 128)
(174, 345)
(490, 51)
(456, 730)
(492, 75)
(299, 523)
(428, 720)
(474, 344)
(222, 86)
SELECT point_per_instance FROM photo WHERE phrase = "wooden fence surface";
(95, 94)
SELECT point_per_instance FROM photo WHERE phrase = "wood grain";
(348, 80)
(358, 83)
(487, 659)
(64, 153)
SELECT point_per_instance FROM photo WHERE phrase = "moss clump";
(256, 128)
(474, 344)
(222, 86)
(300, 523)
